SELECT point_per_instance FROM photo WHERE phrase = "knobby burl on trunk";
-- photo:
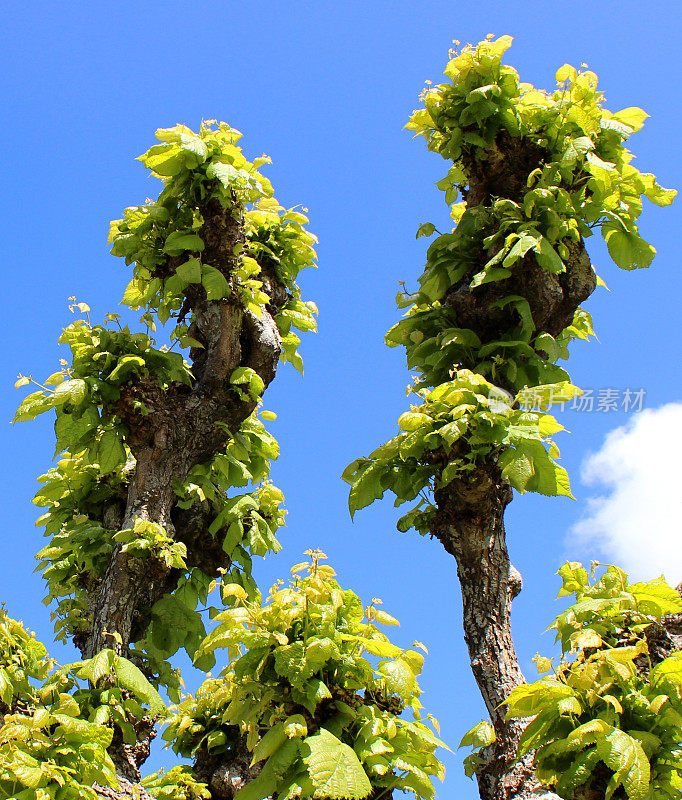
(469, 519)
(182, 427)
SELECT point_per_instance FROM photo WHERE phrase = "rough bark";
(125, 790)
(469, 523)
(182, 427)
(469, 517)
(225, 777)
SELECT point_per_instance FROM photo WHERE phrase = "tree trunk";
(469, 511)
(469, 523)
(180, 428)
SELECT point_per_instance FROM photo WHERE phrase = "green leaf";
(550, 479)
(185, 274)
(548, 425)
(98, 666)
(627, 248)
(398, 677)
(290, 662)
(625, 756)
(529, 699)
(270, 777)
(670, 669)
(578, 772)
(547, 343)
(529, 468)
(489, 275)
(576, 148)
(32, 405)
(633, 117)
(426, 229)
(413, 420)
(214, 282)
(334, 768)
(462, 336)
(656, 598)
(574, 577)
(135, 294)
(519, 250)
(110, 452)
(317, 691)
(125, 366)
(281, 760)
(517, 468)
(257, 789)
(376, 647)
(195, 145)
(272, 740)
(548, 257)
(27, 769)
(366, 487)
(215, 739)
(245, 376)
(179, 241)
(133, 680)
(481, 735)
(566, 72)
(164, 160)
(6, 688)
(547, 394)
(225, 173)
(73, 391)
(261, 539)
(655, 192)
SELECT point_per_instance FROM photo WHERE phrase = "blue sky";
(325, 90)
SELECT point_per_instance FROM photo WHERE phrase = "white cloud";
(636, 522)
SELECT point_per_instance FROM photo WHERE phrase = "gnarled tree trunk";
(182, 427)
(469, 518)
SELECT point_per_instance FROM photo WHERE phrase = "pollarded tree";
(497, 306)
(145, 520)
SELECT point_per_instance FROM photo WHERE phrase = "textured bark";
(129, 757)
(227, 778)
(664, 638)
(181, 427)
(469, 523)
(179, 431)
(469, 517)
(132, 584)
(125, 790)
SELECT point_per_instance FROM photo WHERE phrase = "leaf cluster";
(55, 725)
(81, 537)
(456, 426)
(582, 180)
(610, 714)
(23, 660)
(177, 783)
(162, 238)
(317, 691)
